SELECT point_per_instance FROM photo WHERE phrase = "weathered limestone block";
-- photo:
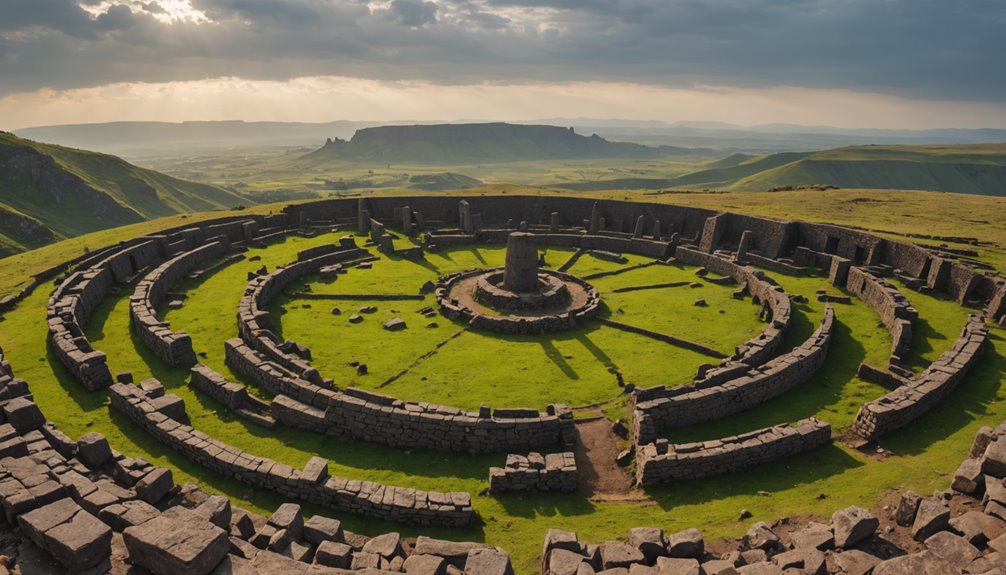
(74, 537)
(852, 525)
(93, 450)
(924, 563)
(932, 515)
(177, 541)
(968, 478)
(155, 485)
(687, 544)
(23, 414)
(318, 529)
(488, 561)
(761, 536)
(650, 541)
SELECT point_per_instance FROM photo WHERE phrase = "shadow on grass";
(594, 350)
(968, 402)
(772, 477)
(553, 354)
(805, 400)
(531, 504)
(923, 336)
(423, 263)
(478, 255)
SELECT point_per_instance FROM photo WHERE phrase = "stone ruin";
(86, 504)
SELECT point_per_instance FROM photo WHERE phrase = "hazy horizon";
(899, 64)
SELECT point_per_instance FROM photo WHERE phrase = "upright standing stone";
(640, 222)
(656, 230)
(407, 220)
(595, 219)
(521, 271)
(466, 216)
(553, 225)
(523, 225)
(362, 217)
(420, 221)
(745, 245)
(600, 224)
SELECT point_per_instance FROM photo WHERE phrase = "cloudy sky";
(849, 63)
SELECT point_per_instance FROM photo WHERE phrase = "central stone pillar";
(521, 271)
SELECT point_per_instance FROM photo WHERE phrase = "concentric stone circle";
(475, 296)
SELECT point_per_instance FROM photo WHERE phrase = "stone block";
(488, 561)
(687, 544)
(74, 537)
(852, 525)
(155, 485)
(387, 545)
(23, 414)
(933, 515)
(424, 565)
(318, 529)
(334, 554)
(177, 541)
(288, 516)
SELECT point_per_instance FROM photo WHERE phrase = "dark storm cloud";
(916, 48)
(413, 13)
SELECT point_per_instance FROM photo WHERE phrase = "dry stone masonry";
(174, 348)
(312, 484)
(535, 472)
(661, 461)
(895, 311)
(909, 401)
(370, 416)
(72, 498)
(729, 389)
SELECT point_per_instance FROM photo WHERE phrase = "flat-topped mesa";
(520, 274)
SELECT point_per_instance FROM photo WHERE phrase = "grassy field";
(815, 483)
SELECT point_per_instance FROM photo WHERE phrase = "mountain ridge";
(479, 143)
(52, 192)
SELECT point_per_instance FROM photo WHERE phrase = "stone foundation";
(730, 389)
(311, 484)
(174, 348)
(535, 472)
(909, 402)
(662, 461)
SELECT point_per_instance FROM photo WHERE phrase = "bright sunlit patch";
(167, 11)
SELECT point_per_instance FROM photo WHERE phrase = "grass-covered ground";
(924, 453)
(448, 364)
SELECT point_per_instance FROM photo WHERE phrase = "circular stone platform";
(567, 302)
(517, 298)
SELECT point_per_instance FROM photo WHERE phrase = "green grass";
(924, 452)
(969, 169)
(447, 364)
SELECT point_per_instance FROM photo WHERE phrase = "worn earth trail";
(597, 446)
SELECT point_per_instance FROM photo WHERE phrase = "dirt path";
(596, 449)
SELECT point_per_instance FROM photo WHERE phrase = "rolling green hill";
(969, 169)
(50, 192)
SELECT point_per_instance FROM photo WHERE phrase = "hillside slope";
(49, 192)
(479, 143)
(968, 169)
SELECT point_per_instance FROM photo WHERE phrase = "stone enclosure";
(71, 498)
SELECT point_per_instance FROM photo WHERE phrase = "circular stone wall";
(476, 296)
(549, 292)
